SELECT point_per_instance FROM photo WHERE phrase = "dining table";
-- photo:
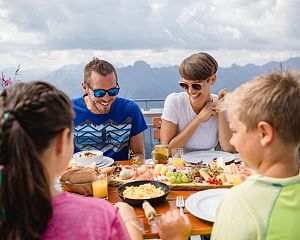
(199, 226)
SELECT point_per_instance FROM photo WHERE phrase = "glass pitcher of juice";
(160, 153)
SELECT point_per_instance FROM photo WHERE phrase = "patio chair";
(156, 122)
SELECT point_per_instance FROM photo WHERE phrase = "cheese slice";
(230, 171)
(222, 178)
(158, 168)
(220, 163)
(204, 174)
(163, 170)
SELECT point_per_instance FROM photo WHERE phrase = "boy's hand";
(172, 226)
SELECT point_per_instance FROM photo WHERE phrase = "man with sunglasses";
(104, 121)
(190, 119)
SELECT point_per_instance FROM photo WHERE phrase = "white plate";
(207, 156)
(110, 162)
(151, 161)
(204, 204)
(102, 163)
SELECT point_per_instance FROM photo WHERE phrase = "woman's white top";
(178, 110)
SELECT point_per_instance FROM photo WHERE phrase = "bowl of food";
(136, 192)
(84, 158)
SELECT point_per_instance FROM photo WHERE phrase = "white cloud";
(52, 34)
(52, 60)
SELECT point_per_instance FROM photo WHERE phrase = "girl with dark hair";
(36, 144)
(190, 119)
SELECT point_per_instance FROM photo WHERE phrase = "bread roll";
(108, 170)
(66, 175)
(83, 176)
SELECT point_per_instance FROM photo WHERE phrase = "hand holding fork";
(175, 224)
(180, 204)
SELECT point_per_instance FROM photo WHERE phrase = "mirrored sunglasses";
(101, 92)
(195, 86)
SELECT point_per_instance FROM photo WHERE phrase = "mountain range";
(140, 80)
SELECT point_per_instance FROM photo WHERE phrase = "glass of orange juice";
(100, 186)
(177, 157)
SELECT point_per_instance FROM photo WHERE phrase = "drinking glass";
(160, 153)
(100, 186)
(137, 159)
(177, 157)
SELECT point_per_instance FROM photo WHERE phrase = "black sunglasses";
(101, 92)
(195, 86)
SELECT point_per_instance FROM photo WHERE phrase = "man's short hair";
(199, 66)
(99, 66)
(273, 97)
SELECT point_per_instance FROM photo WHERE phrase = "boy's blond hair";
(273, 97)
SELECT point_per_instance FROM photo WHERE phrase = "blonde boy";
(264, 116)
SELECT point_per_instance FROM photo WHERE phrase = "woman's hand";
(207, 111)
(172, 226)
(222, 94)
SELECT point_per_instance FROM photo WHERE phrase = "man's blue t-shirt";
(109, 133)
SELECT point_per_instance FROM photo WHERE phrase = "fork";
(180, 204)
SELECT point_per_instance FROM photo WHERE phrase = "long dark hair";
(31, 116)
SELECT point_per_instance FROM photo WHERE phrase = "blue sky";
(49, 34)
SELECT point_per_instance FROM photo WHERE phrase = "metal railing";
(145, 103)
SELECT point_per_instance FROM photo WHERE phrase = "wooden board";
(182, 186)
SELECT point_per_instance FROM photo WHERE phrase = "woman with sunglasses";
(190, 119)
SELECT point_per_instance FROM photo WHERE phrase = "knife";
(150, 213)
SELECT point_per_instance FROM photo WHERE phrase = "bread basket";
(78, 180)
